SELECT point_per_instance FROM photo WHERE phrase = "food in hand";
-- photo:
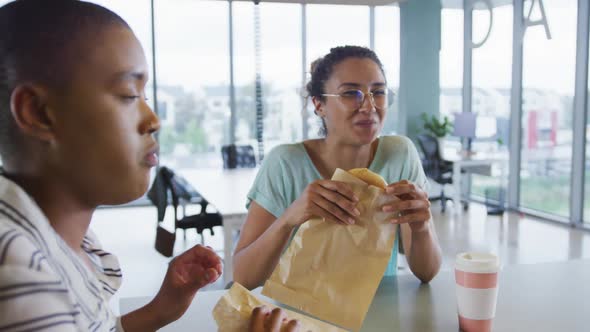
(369, 177)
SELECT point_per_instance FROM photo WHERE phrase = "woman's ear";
(318, 107)
(29, 109)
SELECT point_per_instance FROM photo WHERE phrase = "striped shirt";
(44, 284)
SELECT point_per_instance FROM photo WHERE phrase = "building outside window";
(548, 93)
(491, 84)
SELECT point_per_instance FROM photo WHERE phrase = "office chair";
(238, 156)
(181, 194)
(436, 168)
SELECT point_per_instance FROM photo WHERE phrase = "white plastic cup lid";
(477, 262)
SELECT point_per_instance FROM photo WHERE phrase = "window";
(193, 82)
(387, 47)
(548, 90)
(280, 64)
(451, 69)
(245, 72)
(451, 62)
(491, 83)
(323, 35)
(282, 71)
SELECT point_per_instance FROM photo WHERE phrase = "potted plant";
(437, 128)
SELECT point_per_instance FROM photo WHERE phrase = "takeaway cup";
(476, 279)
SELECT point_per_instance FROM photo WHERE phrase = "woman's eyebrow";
(347, 84)
(129, 76)
(357, 85)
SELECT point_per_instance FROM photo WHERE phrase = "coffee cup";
(476, 279)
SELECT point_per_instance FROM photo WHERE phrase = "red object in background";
(532, 132)
(554, 128)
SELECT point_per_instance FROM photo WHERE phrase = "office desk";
(545, 297)
(477, 164)
(227, 191)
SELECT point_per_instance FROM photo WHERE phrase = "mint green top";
(288, 169)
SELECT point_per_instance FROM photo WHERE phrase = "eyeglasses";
(355, 99)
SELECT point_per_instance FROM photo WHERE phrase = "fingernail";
(350, 221)
(356, 199)
(394, 221)
(357, 212)
(387, 209)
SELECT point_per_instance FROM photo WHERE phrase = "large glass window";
(280, 69)
(491, 81)
(193, 82)
(451, 62)
(348, 25)
(245, 72)
(451, 70)
(387, 43)
(548, 93)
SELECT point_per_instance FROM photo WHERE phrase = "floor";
(130, 233)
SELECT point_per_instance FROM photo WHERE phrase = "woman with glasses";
(349, 93)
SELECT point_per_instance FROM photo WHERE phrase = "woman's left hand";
(412, 208)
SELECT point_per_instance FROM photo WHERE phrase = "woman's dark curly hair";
(322, 68)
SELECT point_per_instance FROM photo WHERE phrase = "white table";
(545, 297)
(478, 164)
(227, 191)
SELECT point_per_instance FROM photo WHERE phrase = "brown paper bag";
(332, 271)
(232, 313)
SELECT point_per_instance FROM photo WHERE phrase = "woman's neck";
(65, 212)
(328, 154)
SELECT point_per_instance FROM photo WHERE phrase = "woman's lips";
(151, 159)
(365, 123)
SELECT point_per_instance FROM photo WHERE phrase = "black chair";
(238, 156)
(436, 168)
(182, 193)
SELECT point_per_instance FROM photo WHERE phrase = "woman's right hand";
(331, 200)
(264, 320)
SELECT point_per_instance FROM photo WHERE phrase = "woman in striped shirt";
(76, 132)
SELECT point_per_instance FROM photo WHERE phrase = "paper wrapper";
(232, 313)
(332, 271)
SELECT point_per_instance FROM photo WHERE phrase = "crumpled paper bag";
(232, 313)
(332, 271)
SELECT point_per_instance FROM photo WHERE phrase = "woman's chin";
(367, 138)
(128, 194)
